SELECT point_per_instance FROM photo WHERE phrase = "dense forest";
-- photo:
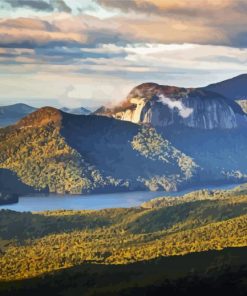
(206, 273)
(120, 237)
(62, 153)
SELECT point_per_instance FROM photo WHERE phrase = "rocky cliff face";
(163, 106)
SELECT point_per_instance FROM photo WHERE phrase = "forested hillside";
(206, 273)
(141, 247)
(53, 151)
(118, 236)
(63, 153)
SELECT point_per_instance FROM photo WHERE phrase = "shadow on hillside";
(28, 225)
(207, 273)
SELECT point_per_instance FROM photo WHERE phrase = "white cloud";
(172, 104)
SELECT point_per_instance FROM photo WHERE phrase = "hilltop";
(63, 153)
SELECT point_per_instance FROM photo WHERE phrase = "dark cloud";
(239, 39)
(60, 5)
(37, 5)
(129, 5)
(40, 5)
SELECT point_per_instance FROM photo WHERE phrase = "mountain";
(53, 151)
(204, 125)
(163, 106)
(234, 88)
(63, 153)
(76, 111)
(12, 113)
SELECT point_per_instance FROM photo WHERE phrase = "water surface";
(92, 201)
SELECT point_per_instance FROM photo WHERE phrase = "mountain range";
(76, 111)
(159, 138)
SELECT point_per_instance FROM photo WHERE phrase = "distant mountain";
(76, 111)
(163, 106)
(12, 113)
(65, 153)
(234, 88)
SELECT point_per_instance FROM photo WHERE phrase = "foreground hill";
(206, 273)
(195, 243)
(63, 153)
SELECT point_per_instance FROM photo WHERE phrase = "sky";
(93, 52)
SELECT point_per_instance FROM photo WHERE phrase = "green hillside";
(63, 153)
(118, 236)
(206, 273)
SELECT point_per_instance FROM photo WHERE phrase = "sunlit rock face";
(163, 106)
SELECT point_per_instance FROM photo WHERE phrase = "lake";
(93, 201)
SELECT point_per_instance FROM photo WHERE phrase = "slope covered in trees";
(63, 153)
(118, 236)
(207, 273)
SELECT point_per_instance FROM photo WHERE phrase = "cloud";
(34, 33)
(218, 22)
(195, 8)
(40, 5)
(182, 109)
(221, 22)
(92, 32)
(118, 45)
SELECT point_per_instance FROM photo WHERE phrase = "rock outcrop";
(163, 106)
